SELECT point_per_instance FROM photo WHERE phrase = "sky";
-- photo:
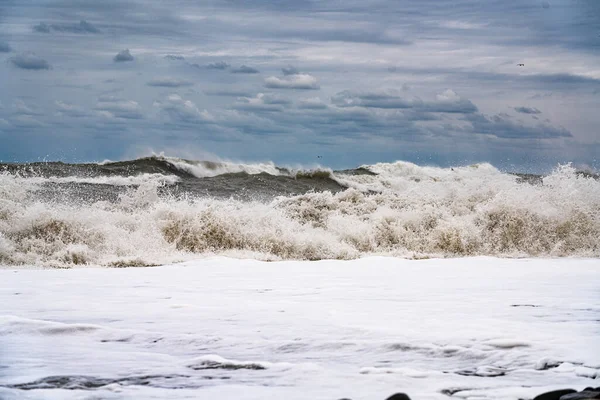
(299, 82)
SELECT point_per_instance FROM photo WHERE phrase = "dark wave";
(81, 182)
(147, 165)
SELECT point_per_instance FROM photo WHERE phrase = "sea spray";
(155, 215)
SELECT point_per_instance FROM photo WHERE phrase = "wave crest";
(404, 210)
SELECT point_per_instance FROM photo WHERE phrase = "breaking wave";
(157, 215)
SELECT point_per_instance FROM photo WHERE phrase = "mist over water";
(160, 210)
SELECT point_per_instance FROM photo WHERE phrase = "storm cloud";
(445, 102)
(244, 69)
(81, 27)
(169, 82)
(527, 110)
(364, 81)
(503, 127)
(29, 61)
(123, 56)
(218, 65)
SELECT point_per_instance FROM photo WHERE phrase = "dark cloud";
(222, 65)
(227, 93)
(169, 82)
(558, 79)
(114, 107)
(446, 102)
(346, 44)
(5, 47)
(527, 110)
(349, 98)
(42, 28)
(244, 69)
(82, 27)
(292, 81)
(503, 127)
(29, 61)
(123, 56)
(535, 80)
(173, 57)
(26, 121)
(371, 34)
(290, 70)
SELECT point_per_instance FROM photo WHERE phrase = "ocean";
(159, 210)
(164, 278)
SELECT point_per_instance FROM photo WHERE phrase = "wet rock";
(452, 391)
(554, 395)
(525, 305)
(84, 382)
(584, 395)
(399, 396)
(484, 372)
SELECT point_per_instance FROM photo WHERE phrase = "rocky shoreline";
(562, 394)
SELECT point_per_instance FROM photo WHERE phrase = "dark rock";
(586, 394)
(485, 372)
(399, 396)
(554, 395)
(546, 365)
(452, 391)
(525, 305)
(83, 382)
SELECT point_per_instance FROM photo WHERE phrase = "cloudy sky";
(433, 81)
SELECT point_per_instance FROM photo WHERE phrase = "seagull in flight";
(521, 65)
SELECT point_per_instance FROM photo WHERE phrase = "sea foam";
(398, 209)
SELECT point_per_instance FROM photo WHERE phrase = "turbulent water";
(160, 210)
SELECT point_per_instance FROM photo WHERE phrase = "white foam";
(204, 169)
(117, 180)
(360, 329)
(419, 212)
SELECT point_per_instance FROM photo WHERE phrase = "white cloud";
(70, 110)
(117, 108)
(262, 102)
(292, 81)
(313, 103)
(21, 108)
(181, 110)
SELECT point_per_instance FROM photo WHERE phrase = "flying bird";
(521, 65)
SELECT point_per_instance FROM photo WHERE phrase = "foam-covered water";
(477, 328)
(160, 210)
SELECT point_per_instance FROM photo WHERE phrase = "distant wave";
(159, 210)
